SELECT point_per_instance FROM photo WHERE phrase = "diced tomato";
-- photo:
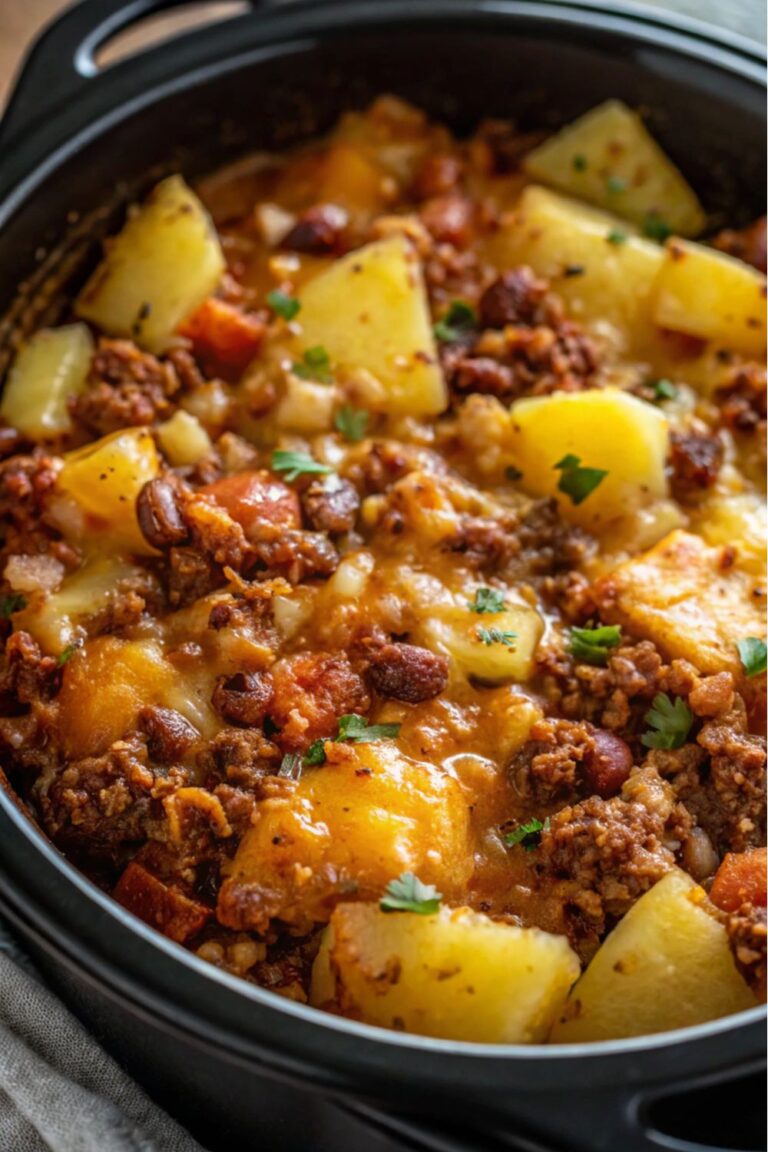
(164, 907)
(741, 879)
(224, 337)
(255, 499)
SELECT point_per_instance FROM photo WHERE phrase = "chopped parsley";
(66, 654)
(513, 473)
(577, 481)
(11, 604)
(528, 834)
(670, 720)
(296, 464)
(591, 645)
(351, 423)
(616, 236)
(580, 162)
(496, 636)
(664, 390)
(290, 766)
(656, 228)
(487, 600)
(457, 323)
(408, 894)
(283, 305)
(314, 365)
(616, 184)
(355, 729)
(752, 654)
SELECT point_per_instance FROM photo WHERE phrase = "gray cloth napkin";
(59, 1091)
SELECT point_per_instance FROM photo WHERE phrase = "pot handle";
(61, 62)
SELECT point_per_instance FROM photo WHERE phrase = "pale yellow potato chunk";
(105, 478)
(666, 965)
(606, 429)
(707, 294)
(613, 287)
(369, 310)
(737, 519)
(183, 439)
(367, 815)
(157, 271)
(683, 597)
(48, 370)
(494, 647)
(609, 158)
(455, 974)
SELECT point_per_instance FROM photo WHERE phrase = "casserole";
(291, 1043)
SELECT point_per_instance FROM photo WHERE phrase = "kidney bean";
(244, 698)
(159, 516)
(608, 764)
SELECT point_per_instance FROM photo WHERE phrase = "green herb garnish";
(577, 481)
(283, 305)
(296, 464)
(314, 365)
(752, 654)
(616, 236)
(408, 894)
(616, 184)
(656, 228)
(580, 162)
(591, 645)
(487, 600)
(66, 654)
(354, 728)
(664, 390)
(528, 834)
(490, 636)
(315, 753)
(352, 423)
(11, 604)
(671, 721)
(457, 323)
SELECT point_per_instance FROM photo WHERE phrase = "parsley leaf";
(283, 305)
(408, 894)
(672, 722)
(496, 636)
(577, 481)
(528, 834)
(591, 645)
(487, 600)
(314, 365)
(580, 162)
(616, 184)
(290, 766)
(656, 228)
(315, 753)
(664, 390)
(352, 423)
(616, 236)
(359, 731)
(296, 464)
(11, 604)
(457, 323)
(752, 654)
(66, 654)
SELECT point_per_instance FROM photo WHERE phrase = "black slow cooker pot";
(242, 1067)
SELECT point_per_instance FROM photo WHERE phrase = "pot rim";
(94, 934)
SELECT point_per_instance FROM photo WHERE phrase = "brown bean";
(169, 735)
(437, 174)
(513, 298)
(159, 516)
(243, 698)
(318, 231)
(331, 505)
(608, 763)
(407, 672)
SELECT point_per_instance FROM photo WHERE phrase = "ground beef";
(562, 759)
(481, 374)
(695, 460)
(126, 388)
(748, 935)
(745, 243)
(742, 399)
(515, 297)
(449, 219)
(407, 672)
(25, 482)
(730, 800)
(437, 175)
(243, 699)
(331, 506)
(295, 556)
(188, 575)
(311, 691)
(240, 757)
(615, 696)
(26, 675)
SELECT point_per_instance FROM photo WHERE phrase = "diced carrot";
(740, 879)
(175, 915)
(224, 337)
(256, 499)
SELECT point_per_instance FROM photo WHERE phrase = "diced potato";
(105, 478)
(609, 158)
(707, 294)
(456, 974)
(183, 439)
(368, 814)
(737, 519)
(682, 597)
(157, 271)
(666, 965)
(347, 177)
(306, 406)
(568, 243)
(606, 429)
(493, 647)
(369, 310)
(48, 370)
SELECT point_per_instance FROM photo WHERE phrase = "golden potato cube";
(609, 158)
(606, 429)
(494, 647)
(48, 370)
(601, 269)
(369, 310)
(666, 965)
(455, 974)
(183, 439)
(368, 814)
(157, 271)
(684, 597)
(737, 519)
(105, 478)
(349, 178)
(707, 294)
